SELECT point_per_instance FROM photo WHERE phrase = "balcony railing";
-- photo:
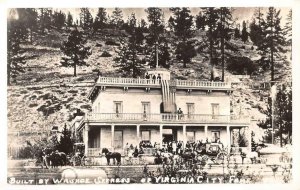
(165, 118)
(151, 82)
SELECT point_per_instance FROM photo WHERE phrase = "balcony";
(149, 82)
(165, 118)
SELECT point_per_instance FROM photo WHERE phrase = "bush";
(111, 43)
(105, 54)
(98, 45)
(241, 65)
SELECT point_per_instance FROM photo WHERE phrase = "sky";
(239, 13)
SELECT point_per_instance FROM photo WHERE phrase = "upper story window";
(118, 107)
(190, 109)
(215, 108)
(146, 107)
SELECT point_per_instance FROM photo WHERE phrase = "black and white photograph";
(149, 95)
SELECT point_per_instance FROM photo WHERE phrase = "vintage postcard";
(152, 95)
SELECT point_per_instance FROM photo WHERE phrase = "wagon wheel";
(221, 157)
(82, 161)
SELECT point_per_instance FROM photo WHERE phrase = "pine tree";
(15, 56)
(44, 21)
(245, 34)
(86, 19)
(31, 22)
(284, 112)
(75, 51)
(211, 18)
(200, 21)
(273, 41)
(157, 38)
(127, 60)
(117, 18)
(182, 26)
(100, 20)
(59, 19)
(288, 29)
(237, 33)
(224, 28)
(69, 21)
(65, 143)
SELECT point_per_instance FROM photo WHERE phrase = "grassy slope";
(48, 89)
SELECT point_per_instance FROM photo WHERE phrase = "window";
(215, 110)
(190, 109)
(145, 109)
(190, 136)
(146, 135)
(118, 108)
(215, 136)
(118, 141)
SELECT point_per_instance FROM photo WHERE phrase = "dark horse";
(113, 155)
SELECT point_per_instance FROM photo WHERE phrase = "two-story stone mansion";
(130, 110)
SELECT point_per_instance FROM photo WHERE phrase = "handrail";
(179, 83)
(141, 117)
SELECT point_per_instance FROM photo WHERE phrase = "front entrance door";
(169, 135)
(118, 141)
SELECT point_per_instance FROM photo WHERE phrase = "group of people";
(153, 77)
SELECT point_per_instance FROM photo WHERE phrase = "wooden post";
(205, 131)
(138, 134)
(161, 135)
(184, 135)
(112, 137)
(86, 139)
(228, 138)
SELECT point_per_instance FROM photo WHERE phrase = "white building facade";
(131, 110)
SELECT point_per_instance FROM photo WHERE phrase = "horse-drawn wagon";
(78, 158)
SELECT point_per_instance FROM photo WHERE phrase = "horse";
(57, 159)
(112, 155)
(188, 156)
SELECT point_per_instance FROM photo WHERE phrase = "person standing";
(154, 78)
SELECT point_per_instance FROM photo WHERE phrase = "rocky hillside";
(47, 94)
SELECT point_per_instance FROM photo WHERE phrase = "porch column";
(86, 138)
(205, 132)
(249, 138)
(184, 135)
(161, 135)
(228, 138)
(112, 136)
(138, 133)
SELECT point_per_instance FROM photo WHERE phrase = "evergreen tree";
(237, 33)
(244, 35)
(211, 18)
(31, 21)
(288, 29)
(284, 112)
(273, 40)
(157, 39)
(100, 20)
(127, 60)
(86, 19)
(182, 26)
(69, 21)
(15, 56)
(256, 31)
(65, 143)
(75, 51)
(200, 21)
(117, 18)
(224, 29)
(45, 22)
(59, 19)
